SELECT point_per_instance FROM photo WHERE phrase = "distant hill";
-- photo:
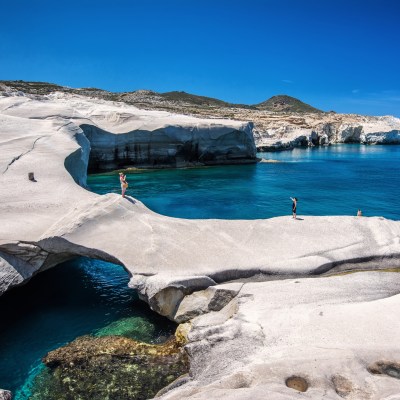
(198, 100)
(284, 103)
(175, 101)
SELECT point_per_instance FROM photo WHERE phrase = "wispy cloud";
(382, 97)
(287, 81)
(383, 102)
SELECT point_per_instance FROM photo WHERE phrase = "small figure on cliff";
(124, 183)
(359, 213)
(294, 206)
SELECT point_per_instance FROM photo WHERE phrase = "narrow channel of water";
(73, 299)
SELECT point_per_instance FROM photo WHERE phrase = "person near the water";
(124, 183)
(294, 206)
(359, 213)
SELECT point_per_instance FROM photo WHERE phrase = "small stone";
(5, 395)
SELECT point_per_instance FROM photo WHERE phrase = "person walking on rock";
(124, 183)
(294, 207)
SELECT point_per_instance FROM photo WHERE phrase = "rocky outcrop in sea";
(109, 367)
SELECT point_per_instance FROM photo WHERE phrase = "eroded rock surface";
(267, 331)
(122, 136)
(325, 337)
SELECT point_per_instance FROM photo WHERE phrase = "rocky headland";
(270, 307)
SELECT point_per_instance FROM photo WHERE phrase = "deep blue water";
(75, 298)
(334, 180)
(89, 296)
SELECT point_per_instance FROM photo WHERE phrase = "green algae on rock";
(136, 327)
(110, 367)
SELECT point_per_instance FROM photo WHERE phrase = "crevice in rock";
(370, 263)
(22, 154)
(359, 263)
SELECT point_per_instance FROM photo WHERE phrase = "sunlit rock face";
(307, 130)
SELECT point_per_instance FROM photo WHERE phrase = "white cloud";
(287, 81)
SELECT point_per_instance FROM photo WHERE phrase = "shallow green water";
(89, 296)
(73, 299)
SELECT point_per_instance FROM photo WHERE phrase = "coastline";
(178, 263)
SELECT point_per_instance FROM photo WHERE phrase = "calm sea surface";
(89, 296)
(73, 299)
(335, 180)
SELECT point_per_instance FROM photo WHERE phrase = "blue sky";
(335, 55)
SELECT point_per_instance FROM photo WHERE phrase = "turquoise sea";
(75, 298)
(89, 296)
(334, 180)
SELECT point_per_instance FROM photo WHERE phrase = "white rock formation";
(337, 334)
(265, 331)
(122, 135)
(287, 131)
(273, 129)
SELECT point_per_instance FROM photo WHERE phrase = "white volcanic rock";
(290, 130)
(272, 130)
(122, 135)
(338, 333)
(269, 330)
(214, 298)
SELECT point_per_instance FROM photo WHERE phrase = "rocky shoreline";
(322, 130)
(280, 123)
(335, 337)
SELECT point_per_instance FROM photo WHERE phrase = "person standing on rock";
(124, 183)
(294, 207)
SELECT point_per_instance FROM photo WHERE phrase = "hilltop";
(277, 104)
(284, 103)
